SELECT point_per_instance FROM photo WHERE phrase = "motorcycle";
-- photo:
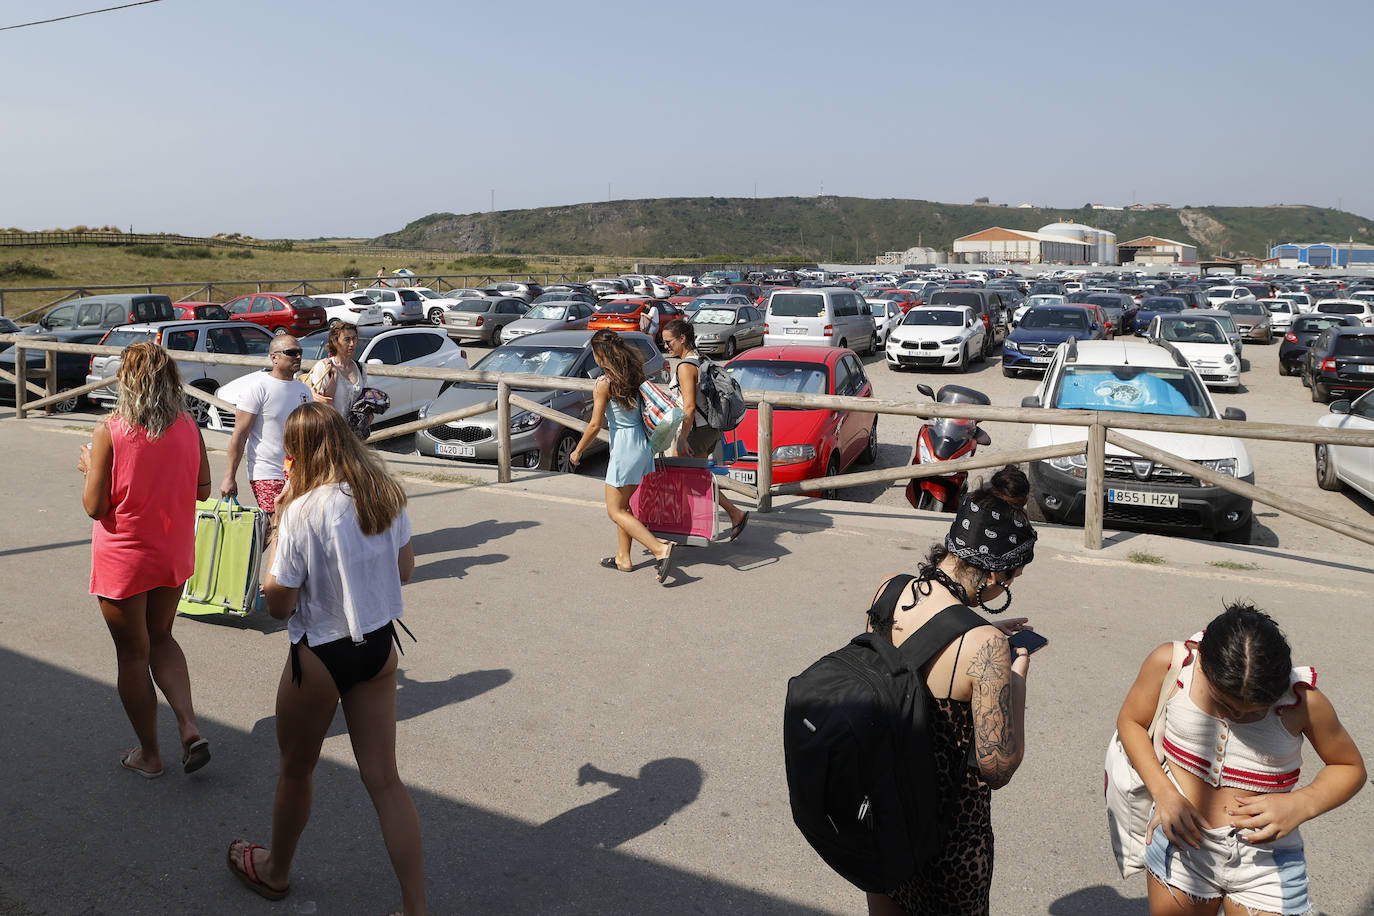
(945, 439)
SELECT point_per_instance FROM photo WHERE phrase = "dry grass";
(1231, 564)
(1149, 559)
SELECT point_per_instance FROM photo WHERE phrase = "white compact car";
(887, 314)
(1038, 299)
(932, 336)
(348, 308)
(1203, 342)
(1348, 465)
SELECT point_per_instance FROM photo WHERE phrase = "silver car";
(565, 315)
(482, 319)
(535, 442)
(726, 324)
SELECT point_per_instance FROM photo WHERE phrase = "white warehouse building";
(1020, 246)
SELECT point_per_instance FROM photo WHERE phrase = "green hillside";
(847, 229)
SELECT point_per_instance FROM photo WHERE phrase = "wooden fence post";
(1096, 459)
(21, 381)
(502, 432)
(764, 477)
(50, 383)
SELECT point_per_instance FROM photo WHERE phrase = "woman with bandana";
(979, 687)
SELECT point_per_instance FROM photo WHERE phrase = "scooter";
(946, 439)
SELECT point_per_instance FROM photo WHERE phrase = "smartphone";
(1029, 640)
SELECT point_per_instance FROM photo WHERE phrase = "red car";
(906, 298)
(200, 311)
(807, 443)
(686, 294)
(280, 313)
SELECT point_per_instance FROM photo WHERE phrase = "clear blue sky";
(301, 118)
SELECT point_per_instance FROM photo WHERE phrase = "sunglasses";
(291, 353)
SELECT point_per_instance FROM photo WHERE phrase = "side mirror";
(981, 437)
(374, 362)
(1342, 406)
(1095, 326)
(1235, 413)
(1030, 400)
(926, 390)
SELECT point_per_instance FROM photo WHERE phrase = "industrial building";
(1322, 254)
(1151, 249)
(1065, 243)
(916, 255)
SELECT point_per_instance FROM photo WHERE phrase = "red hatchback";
(807, 443)
(200, 311)
(280, 313)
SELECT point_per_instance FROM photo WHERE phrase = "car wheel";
(1009, 373)
(1306, 382)
(280, 329)
(388, 318)
(559, 457)
(872, 345)
(334, 323)
(1283, 369)
(198, 409)
(964, 360)
(436, 316)
(67, 405)
(1241, 535)
(1320, 393)
(530, 460)
(832, 470)
(1326, 470)
(731, 348)
(870, 452)
(843, 343)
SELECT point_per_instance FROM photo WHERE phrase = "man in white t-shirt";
(260, 424)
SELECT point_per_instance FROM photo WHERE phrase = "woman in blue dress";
(616, 396)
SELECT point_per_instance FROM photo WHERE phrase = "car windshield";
(548, 312)
(1132, 389)
(1193, 330)
(1056, 319)
(709, 315)
(777, 375)
(428, 293)
(1279, 305)
(550, 361)
(472, 305)
(1312, 325)
(950, 297)
(1162, 304)
(1033, 301)
(1355, 345)
(555, 297)
(8, 327)
(1227, 323)
(694, 290)
(1244, 308)
(925, 316)
(1107, 302)
(796, 305)
(124, 338)
(302, 302)
(1340, 308)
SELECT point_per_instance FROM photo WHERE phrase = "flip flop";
(243, 868)
(610, 563)
(146, 774)
(197, 755)
(665, 565)
(738, 528)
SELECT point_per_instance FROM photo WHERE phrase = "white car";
(1203, 342)
(1038, 299)
(1218, 295)
(348, 308)
(1303, 301)
(886, 316)
(435, 304)
(1362, 310)
(1348, 465)
(399, 306)
(936, 335)
(428, 348)
(1281, 313)
(1135, 377)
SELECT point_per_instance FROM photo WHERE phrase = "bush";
(282, 245)
(23, 270)
(242, 254)
(174, 253)
(492, 262)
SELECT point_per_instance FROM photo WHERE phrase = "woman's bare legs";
(126, 619)
(1170, 901)
(628, 527)
(168, 662)
(370, 709)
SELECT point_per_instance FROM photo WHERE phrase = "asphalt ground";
(583, 741)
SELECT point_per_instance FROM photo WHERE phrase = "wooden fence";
(1103, 427)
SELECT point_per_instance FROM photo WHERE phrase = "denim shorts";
(1264, 877)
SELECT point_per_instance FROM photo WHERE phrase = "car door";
(383, 351)
(63, 316)
(754, 329)
(1355, 463)
(185, 340)
(977, 334)
(262, 311)
(421, 351)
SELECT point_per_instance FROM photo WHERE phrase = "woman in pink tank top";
(145, 468)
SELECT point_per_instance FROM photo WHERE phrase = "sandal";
(610, 563)
(738, 528)
(146, 774)
(196, 756)
(665, 565)
(243, 868)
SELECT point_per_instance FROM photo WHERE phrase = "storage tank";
(1075, 231)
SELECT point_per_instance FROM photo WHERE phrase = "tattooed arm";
(999, 708)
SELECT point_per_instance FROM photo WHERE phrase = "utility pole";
(493, 200)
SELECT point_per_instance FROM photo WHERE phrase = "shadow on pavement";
(1097, 900)
(638, 804)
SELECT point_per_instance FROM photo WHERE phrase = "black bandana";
(991, 535)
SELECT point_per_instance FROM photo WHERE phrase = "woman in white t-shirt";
(341, 552)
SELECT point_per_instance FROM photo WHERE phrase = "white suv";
(1218, 295)
(1132, 376)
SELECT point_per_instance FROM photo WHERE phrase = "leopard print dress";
(957, 881)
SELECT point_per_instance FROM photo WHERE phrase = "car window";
(61, 317)
(796, 305)
(237, 306)
(89, 316)
(223, 340)
(1364, 407)
(507, 308)
(263, 304)
(1359, 345)
(418, 346)
(1129, 389)
(114, 313)
(472, 305)
(254, 341)
(384, 349)
(179, 340)
(778, 375)
(857, 379)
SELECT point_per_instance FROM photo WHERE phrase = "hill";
(845, 229)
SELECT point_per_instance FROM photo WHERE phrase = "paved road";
(581, 741)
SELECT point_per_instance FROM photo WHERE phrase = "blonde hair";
(324, 450)
(150, 396)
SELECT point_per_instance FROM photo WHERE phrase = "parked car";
(1348, 465)
(1203, 342)
(399, 306)
(559, 295)
(1251, 318)
(483, 319)
(752, 291)
(1340, 362)
(1038, 334)
(1138, 377)
(987, 304)
(611, 286)
(622, 314)
(535, 442)
(509, 289)
(906, 299)
(1033, 300)
(727, 324)
(71, 367)
(887, 314)
(1119, 308)
(828, 317)
(378, 345)
(1281, 313)
(934, 336)
(280, 313)
(433, 304)
(200, 311)
(1219, 295)
(1229, 323)
(552, 315)
(807, 442)
(104, 312)
(687, 293)
(1304, 330)
(234, 338)
(1151, 306)
(1363, 311)
(348, 308)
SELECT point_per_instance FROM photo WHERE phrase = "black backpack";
(719, 397)
(860, 767)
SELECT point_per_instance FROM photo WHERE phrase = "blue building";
(1323, 254)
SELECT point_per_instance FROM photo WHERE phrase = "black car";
(1305, 328)
(71, 367)
(1120, 309)
(1192, 297)
(1151, 306)
(1341, 360)
(1047, 288)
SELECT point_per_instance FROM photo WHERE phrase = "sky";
(345, 118)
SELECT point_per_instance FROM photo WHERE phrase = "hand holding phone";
(1029, 640)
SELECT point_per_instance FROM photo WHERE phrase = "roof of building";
(1152, 241)
(998, 234)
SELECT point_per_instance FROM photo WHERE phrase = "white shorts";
(1263, 877)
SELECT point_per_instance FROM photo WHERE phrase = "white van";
(829, 317)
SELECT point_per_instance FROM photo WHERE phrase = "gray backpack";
(719, 397)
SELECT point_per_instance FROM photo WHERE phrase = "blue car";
(1040, 331)
(1151, 306)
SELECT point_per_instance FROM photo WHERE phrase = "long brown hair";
(150, 396)
(623, 365)
(324, 450)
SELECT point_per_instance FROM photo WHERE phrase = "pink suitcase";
(677, 501)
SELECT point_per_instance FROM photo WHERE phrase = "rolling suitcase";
(677, 501)
(229, 543)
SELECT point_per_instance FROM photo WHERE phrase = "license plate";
(794, 330)
(1143, 498)
(454, 450)
(1040, 360)
(743, 476)
(1365, 368)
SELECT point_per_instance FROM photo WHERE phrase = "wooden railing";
(1102, 426)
